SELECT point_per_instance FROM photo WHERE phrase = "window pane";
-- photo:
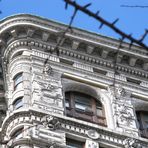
(18, 103)
(18, 134)
(80, 106)
(99, 110)
(67, 104)
(74, 144)
(18, 79)
(82, 101)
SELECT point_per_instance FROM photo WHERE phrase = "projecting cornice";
(91, 47)
(48, 25)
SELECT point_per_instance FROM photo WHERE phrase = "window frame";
(71, 142)
(18, 79)
(89, 115)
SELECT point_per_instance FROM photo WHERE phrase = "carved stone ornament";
(119, 91)
(50, 122)
(47, 69)
(92, 134)
(131, 143)
(125, 115)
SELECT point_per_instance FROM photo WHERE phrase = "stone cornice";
(73, 56)
(70, 125)
(91, 38)
(94, 61)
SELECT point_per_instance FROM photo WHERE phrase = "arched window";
(18, 79)
(84, 107)
(18, 103)
(17, 134)
(142, 119)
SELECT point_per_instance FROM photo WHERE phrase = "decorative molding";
(50, 122)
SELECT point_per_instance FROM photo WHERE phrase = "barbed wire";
(111, 25)
(62, 34)
(134, 6)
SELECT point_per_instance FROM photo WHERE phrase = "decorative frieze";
(83, 66)
(118, 77)
(123, 110)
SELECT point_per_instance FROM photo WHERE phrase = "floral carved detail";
(50, 122)
(131, 143)
(124, 114)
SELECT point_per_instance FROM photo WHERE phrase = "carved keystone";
(104, 54)
(45, 36)
(75, 45)
(14, 33)
(30, 32)
(132, 61)
(119, 58)
(145, 66)
(90, 49)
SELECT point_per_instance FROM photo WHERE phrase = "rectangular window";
(74, 143)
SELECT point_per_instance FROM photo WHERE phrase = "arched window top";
(17, 134)
(85, 107)
(18, 103)
(81, 88)
(19, 53)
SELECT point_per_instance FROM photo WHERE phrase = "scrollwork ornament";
(131, 143)
(47, 69)
(119, 92)
(50, 122)
(124, 115)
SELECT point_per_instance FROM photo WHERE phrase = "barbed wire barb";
(144, 35)
(87, 5)
(115, 21)
(98, 12)
(101, 25)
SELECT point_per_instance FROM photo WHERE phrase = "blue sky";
(132, 20)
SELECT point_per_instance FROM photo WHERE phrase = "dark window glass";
(18, 103)
(84, 107)
(142, 123)
(18, 79)
(17, 134)
(74, 144)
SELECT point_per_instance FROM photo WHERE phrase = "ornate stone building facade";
(75, 89)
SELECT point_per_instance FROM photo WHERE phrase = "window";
(17, 134)
(17, 54)
(142, 122)
(74, 144)
(18, 103)
(18, 79)
(84, 107)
